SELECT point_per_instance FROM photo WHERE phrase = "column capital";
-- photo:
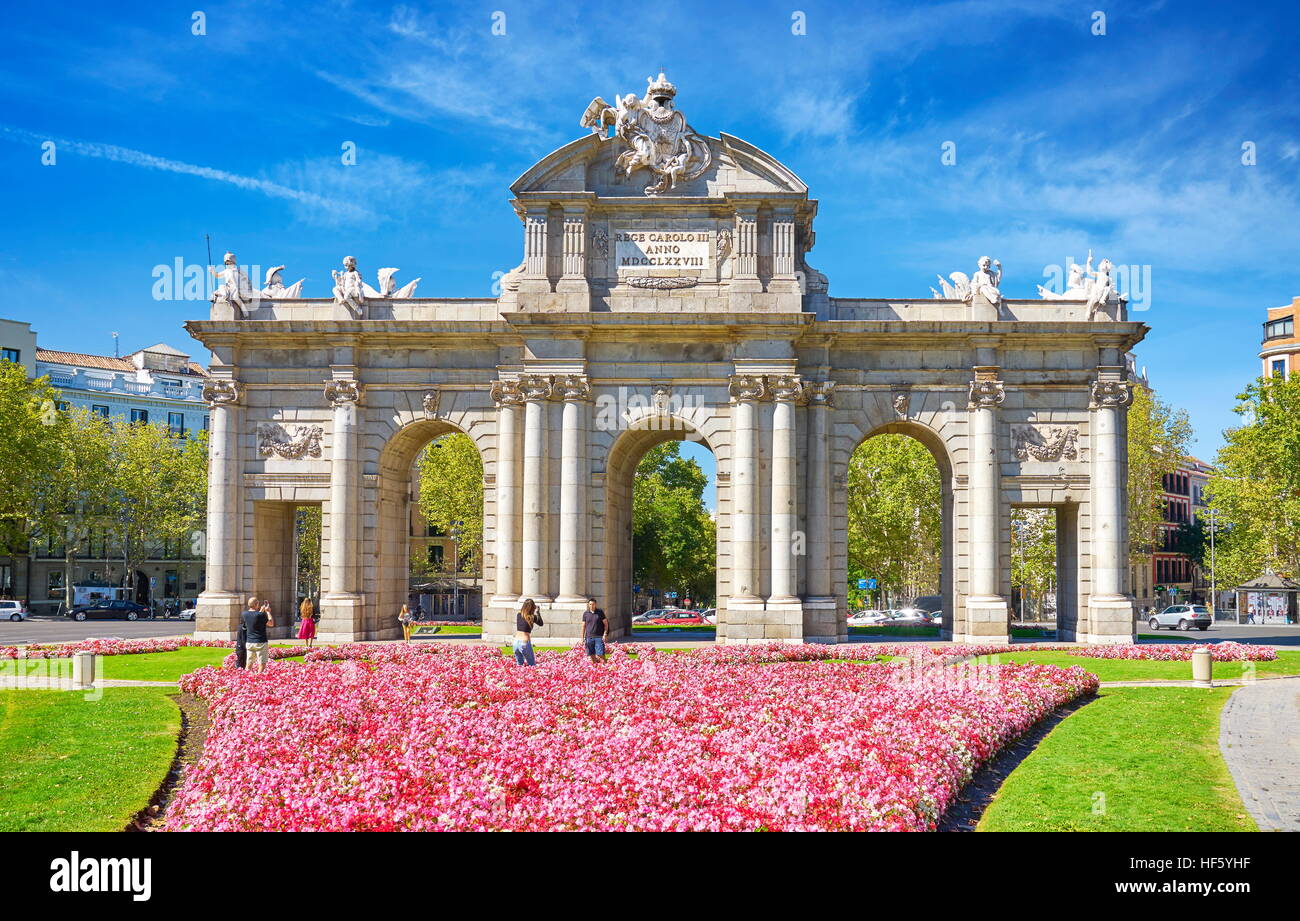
(571, 387)
(820, 393)
(1107, 394)
(747, 387)
(343, 391)
(534, 387)
(786, 388)
(222, 392)
(506, 393)
(986, 394)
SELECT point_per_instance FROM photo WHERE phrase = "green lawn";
(1287, 663)
(1136, 759)
(445, 630)
(72, 764)
(160, 666)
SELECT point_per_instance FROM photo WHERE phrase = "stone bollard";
(1202, 668)
(83, 670)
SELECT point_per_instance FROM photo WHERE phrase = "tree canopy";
(451, 489)
(1255, 488)
(673, 535)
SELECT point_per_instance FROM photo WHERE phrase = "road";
(1267, 634)
(49, 629)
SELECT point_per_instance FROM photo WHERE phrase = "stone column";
(986, 609)
(220, 603)
(574, 390)
(341, 607)
(746, 391)
(536, 391)
(508, 399)
(536, 228)
(787, 390)
(745, 273)
(819, 491)
(1110, 610)
(573, 256)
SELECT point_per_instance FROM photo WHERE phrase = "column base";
(988, 620)
(1111, 621)
(342, 619)
(217, 616)
(822, 623)
(757, 621)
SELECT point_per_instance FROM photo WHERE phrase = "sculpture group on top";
(1084, 284)
(985, 282)
(656, 134)
(350, 289)
(1095, 287)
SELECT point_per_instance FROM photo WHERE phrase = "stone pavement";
(1259, 736)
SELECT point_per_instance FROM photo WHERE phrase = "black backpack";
(241, 645)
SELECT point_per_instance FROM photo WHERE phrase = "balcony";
(1281, 328)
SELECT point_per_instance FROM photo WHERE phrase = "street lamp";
(455, 568)
(1214, 586)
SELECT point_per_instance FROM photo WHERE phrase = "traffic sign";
(871, 584)
(862, 583)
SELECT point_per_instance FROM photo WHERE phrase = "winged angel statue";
(656, 135)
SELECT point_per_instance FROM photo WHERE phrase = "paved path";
(1260, 739)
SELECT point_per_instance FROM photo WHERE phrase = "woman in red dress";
(307, 632)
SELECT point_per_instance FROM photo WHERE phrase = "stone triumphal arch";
(664, 292)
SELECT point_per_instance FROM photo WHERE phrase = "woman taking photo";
(527, 618)
(307, 631)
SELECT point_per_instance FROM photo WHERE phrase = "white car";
(13, 610)
(1182, 617)
(868, 618)
(710, 615)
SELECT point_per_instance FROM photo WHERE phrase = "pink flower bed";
(399, 737)
(1227, 651)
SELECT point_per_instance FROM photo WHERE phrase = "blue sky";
(1130, 143)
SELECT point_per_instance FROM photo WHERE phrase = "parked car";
(188, 613)
(649, 615)
(678, 617)
(13, 610)
(109, 610)
(710, 615)
(909, 616)
(868, 618)
(1182, 617)
(936, 618)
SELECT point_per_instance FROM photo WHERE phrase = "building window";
(61, 405)
(14, 355)
(1279, 367)
(99, 409)
(205, 423)
(139, 415)
(435, 555)
(54, 584)
(176, 424)
(1279, 328)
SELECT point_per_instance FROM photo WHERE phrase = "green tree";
(307, 525)
(451, 489)
(673, 535)
(1255, 488)
(77, 500)
(1158, 436)
(1033, 552)
(160, 487)
(895, 512)
(29, 452)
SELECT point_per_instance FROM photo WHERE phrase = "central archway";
(627, 451)
(933, 443)
(396, 496)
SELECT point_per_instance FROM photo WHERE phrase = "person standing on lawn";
(527, 618)
(256, 620)
(595, 632)
(307, 630)
(406, 620)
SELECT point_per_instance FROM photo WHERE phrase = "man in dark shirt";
(595, 631)
(255, 620)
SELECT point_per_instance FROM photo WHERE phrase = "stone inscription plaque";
(640, 251)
